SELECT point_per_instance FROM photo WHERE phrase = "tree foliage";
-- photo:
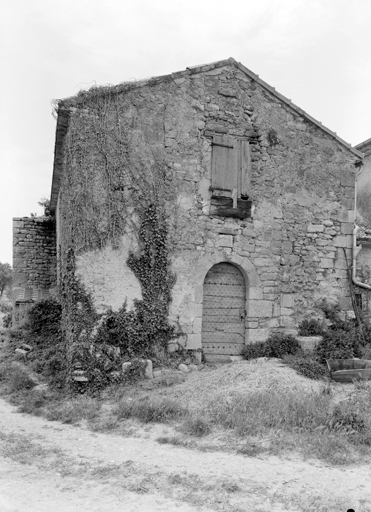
(5, 276)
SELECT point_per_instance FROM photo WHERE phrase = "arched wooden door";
(223, 313)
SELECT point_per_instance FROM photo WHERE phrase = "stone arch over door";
(223, 312)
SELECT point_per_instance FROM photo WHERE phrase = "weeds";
(17, 377)
(150, 410)
(196, 426)
(74, 410)
(306, 366)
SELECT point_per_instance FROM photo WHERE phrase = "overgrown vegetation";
(5, 276)
(145, 328)
(277, 345)
(307, 366)
(311, 327)
(142, 332)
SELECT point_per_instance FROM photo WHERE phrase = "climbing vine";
(115, 182)
(145, 329)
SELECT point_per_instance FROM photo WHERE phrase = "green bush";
(7, 321)
(17, 377)
(346, 417)
(5, 307)
(338, 344)
(44, 321)
(306, 366)
(254, 351)
(279, 344)
(312, 327)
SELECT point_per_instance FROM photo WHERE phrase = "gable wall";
(302, 188)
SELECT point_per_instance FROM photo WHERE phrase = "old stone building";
(34, 262)
(362, 234)
(256, 199)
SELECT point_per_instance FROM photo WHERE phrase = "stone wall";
(302, 190)
(34, 253)
(364, 186)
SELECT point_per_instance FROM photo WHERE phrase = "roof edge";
(297, 109)
(61, 130)
(64, 113)
(365, 147)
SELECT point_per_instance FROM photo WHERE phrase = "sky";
(315, 52)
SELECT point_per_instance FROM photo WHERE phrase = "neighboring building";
(257, 198)
(34, 262)
(363, 220)
(364, 186)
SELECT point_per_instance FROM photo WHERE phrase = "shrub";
(7, 320)
(279, 344)
(254, 351)
(347, 417)
(44, 320)
(312, 327)
(5, 308)
(32, 401)
(17, 377)
(306, 366)
(338, 344)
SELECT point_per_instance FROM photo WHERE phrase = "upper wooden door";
(223, 316)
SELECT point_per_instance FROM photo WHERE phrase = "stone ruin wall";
(302, 188)
(34, 253)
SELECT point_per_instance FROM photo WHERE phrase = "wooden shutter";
(244, 168)
(224, 163)
(231, 166)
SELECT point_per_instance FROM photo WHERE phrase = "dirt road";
(48, 466)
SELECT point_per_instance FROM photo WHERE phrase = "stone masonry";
(290, 250)
(34, 253)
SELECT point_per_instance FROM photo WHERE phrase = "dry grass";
(244, 377)
(249, 407)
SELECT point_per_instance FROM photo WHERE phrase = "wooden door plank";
(223, 290)
(216, 319)
(224, 303)
(220, 327)
(214, 301)
(223, 337)
(224, 279)
(231, 349)
(224, 268)
(225, 312)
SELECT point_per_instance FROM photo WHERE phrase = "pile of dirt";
(240, 377)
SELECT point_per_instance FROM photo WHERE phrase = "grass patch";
(260, 411)
(16, 376)
(148, 410)
(74, 410)
(21, 449)
(196, 426)
(173, 440)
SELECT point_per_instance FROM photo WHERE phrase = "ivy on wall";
(145, 329)
(114, 182)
